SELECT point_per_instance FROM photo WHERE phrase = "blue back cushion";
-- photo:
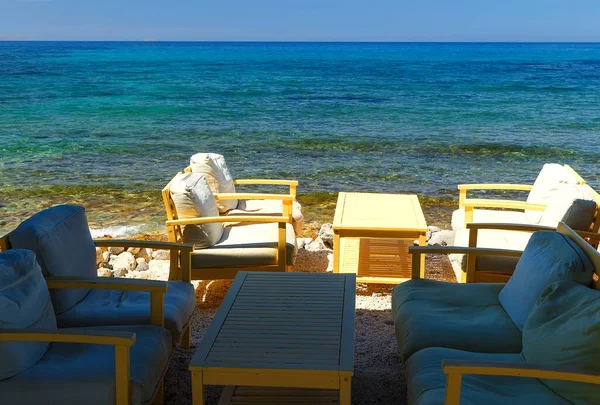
(563, 330)
(548, 257)
(24, 304)
(61, 240)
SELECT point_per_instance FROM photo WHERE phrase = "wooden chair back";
(174, 231)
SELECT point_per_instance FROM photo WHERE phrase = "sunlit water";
(108, 124)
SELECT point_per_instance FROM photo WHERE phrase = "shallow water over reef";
(107, 125)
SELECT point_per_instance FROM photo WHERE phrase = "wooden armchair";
(470, 205)
(250, 242)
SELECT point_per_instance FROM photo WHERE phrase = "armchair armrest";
(121, 340)
(69, 335)
(417, 251)
(509, 227)
(455, 369)
(253, 196)
(185, 250)
(495, 186)
(157, 290)
(229, 218)
(267, 181)
(509, 204)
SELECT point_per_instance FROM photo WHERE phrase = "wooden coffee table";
(372, 234)
(293, 330)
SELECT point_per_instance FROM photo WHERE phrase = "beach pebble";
(442, 238)
(302, 242)
(133, 250)
(104, 272)
(125, 261)
(431, 230)
(144, 253)
(159, 269)
(316, 244)
(114, 250)
(142, 266)
(326, 234)
(161, 255)
(105, 256)
(99, 255)
(119, 272)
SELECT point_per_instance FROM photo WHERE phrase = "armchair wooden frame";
(174, 229)
(455, 369)
(469, 204)
(180, 269)
(122, 341)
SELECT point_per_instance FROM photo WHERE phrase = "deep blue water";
(102, 123)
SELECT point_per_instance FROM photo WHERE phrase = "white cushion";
(573, 205)
(193, 198)
(213, 166)
(545, 187)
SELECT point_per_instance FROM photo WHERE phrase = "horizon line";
(308, 41)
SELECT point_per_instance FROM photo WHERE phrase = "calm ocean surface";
(108, 124)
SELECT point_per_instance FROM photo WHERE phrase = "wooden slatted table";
(293, 330)
(372, 233)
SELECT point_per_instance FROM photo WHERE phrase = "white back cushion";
(213, 166)
(193, 198)
(572, 204)
(545, 187)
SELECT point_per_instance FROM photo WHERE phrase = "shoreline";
(121, 214)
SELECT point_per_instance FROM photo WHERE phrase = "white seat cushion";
(483, 216)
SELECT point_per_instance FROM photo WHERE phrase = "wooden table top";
(292, 321)
(378, 212)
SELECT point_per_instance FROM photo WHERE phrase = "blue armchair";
(66, 253)
(42, 364)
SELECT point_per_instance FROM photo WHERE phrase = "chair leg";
(160, 395)
(186, 339)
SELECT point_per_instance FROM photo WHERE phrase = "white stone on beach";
(159, 269)
(326, 234)
(161, 255)
(124, 262)
(142, 266)
(441, 238)
(316, 244)
(431, 229)
(105, 256)
(302, 242)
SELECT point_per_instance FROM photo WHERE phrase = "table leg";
(422, 243)
(197, 388)
(336, 253)
(345, 390)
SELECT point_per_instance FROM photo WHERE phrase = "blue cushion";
(429, 313)
(61, 239)
(426, 381)
(563, 330)
(73, 373)
(548, 257)
(24, 304)
(106, 307)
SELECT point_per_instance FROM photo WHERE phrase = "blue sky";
(302, 20)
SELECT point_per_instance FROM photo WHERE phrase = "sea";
(107, 124)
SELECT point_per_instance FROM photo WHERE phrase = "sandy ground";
(379, 374)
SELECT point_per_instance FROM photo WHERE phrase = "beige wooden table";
(372, 233)
(293, 330)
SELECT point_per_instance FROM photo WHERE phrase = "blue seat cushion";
(429, 313)
(427, 382)
(72, 373)
(24, 304)
(548, 257)
(61, 240)
(110, 307)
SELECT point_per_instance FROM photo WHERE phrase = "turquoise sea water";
(108, 124)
